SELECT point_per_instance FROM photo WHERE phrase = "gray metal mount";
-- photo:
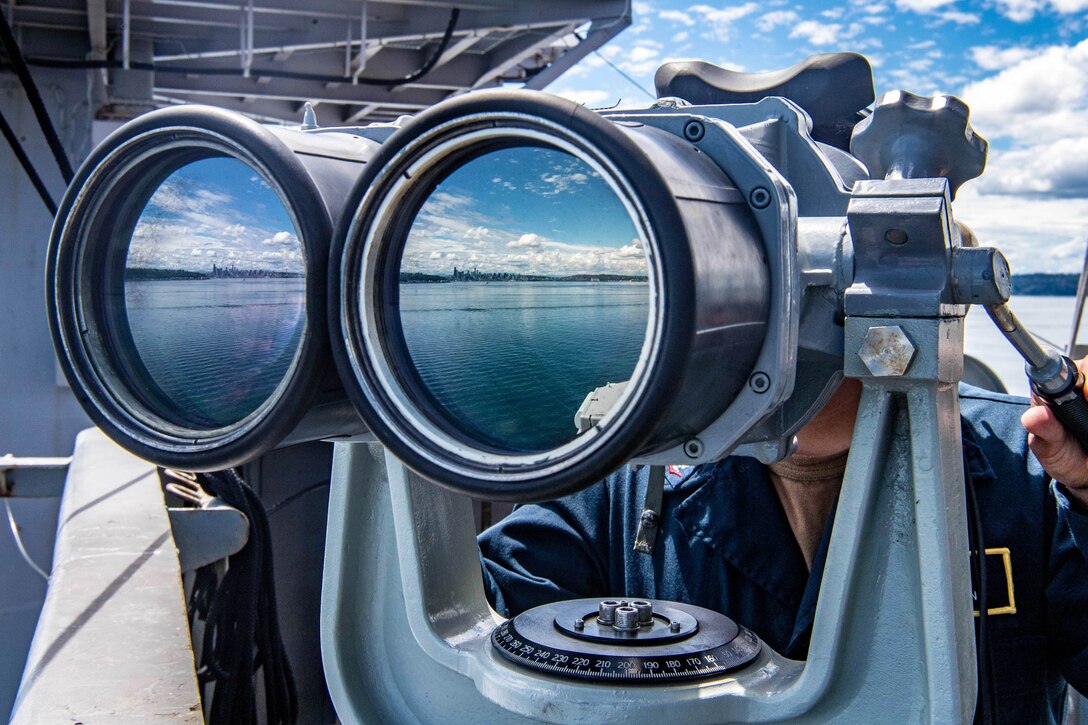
(878, 284)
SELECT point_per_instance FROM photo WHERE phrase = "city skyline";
(524, 210)
(215, 213)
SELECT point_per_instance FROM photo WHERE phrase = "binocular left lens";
(187, 287)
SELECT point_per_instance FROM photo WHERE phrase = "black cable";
(281, 695)
(28, 166)
(430, 64)
(412, 77)
(241, 625)
(31, 90)
(986, 699)
(296, 496)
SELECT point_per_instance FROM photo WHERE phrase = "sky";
(215, 211)
(526, 210)
(1021, 66)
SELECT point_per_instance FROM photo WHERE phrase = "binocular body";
(516, 294)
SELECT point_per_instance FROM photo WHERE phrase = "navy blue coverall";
(724, 543)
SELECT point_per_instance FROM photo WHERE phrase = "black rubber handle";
(833, 88)
(1070, 406)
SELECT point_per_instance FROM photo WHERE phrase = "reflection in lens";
(523, 287)
(214, 291)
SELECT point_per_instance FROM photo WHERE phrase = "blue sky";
(1021, 65)
(526, 210)
(215, 212)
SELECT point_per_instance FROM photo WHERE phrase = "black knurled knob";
(920, 137)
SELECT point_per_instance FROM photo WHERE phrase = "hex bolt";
(579, 625)
(694, 131)
(606, 611)
(626, 619)
(645, 611)
(760, 198)
(674, 627)
(760, 382)
(896, 236)
(693, 448)
(886, 351)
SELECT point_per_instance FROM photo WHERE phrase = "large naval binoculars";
(522, 293)
(518, 295)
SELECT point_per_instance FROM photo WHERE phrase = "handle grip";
(1069, 405)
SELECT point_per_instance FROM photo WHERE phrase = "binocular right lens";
(522, 289)
(528, 294)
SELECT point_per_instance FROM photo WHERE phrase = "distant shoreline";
(1024, 285)
(473, 276)
(145, 274)
(1039, 285)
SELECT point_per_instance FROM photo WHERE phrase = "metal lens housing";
(514, 258)
(187, 288)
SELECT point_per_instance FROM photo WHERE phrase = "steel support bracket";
(902, 234)
(208, 534)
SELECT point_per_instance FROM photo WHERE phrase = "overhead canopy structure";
(361, 60)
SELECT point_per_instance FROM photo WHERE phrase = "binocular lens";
(522, 288)
(530, 294)
(187, 293)
(213, 295)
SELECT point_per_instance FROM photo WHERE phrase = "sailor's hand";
(1056, 448)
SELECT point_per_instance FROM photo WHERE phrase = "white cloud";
(1069, 6)
(990, 57)
(720, 21)
(680, 37)
(677, 16)
(1021, 11)
(641, 60)
(816, 32)
(1038, 99)
(1033, 199)
(1042, 234)
(921, 6)
(1060, 171)
(768, 22)
(959, 18)
(642, 53)
(530, 240)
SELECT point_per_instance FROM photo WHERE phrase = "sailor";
(750, 541)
